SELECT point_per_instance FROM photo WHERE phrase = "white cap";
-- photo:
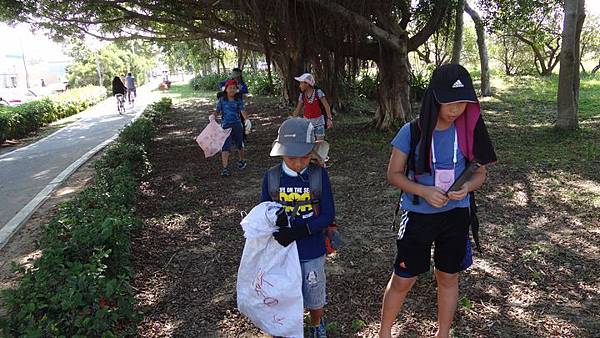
(306, 77)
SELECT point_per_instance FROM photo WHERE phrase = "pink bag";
(212, 138)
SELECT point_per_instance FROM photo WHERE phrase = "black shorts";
(449, 231)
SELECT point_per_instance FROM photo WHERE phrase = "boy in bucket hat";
(452, 134)
(315, 105)
(306, 215)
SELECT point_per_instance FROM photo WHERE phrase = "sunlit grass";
(183, 92)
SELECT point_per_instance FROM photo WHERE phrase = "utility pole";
(98, 69)
(25, 65)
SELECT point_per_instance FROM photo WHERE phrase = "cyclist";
(119, 89)
(130, 82)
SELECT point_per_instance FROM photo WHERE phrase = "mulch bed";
(537, 276)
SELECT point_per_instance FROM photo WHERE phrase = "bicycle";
(131, 95)
(120, 103)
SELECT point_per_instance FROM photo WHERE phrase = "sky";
(38, 45)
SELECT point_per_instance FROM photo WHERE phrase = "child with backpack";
(303, 188)
(428, 155)
(316, 108)
(236, 75)
(231, 108)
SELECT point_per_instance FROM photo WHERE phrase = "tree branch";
(439, 10)
(359, 20)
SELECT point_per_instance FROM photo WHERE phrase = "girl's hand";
(329, 123)
(459, 194)
(435, 196)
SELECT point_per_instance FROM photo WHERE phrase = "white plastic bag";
(248, 127)
(269, 284)
(212, 138)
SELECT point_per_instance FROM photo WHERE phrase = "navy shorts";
(236, 137)
(448, 231)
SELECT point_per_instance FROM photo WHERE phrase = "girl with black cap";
(452, 134)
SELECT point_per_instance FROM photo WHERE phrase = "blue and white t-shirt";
(444, 146)
(230, 109)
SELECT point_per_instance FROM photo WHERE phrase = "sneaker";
(242, 164)
(225, 173)
(318, 331)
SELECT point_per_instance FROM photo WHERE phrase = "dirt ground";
(22, 248)
(538, 275)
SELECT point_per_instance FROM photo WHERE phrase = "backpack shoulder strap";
(315, 183)
(273, 178)
(415, 135)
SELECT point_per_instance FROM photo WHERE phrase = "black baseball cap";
(452, 83)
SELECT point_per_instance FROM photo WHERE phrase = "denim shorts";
(313, 283)
(319, 124)
(236, 137)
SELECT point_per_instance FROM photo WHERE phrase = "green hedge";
(18, 121)
(80, 286)
(258, 82)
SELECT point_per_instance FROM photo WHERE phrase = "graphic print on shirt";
(298, 194)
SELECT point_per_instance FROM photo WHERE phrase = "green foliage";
(113, 60)
(365, 87)
(193, 56)
(465, 303)
(80, 286)
(536, 23)
(257, 82)
(332, 328)
(19, 121)
(470, 51)
(511, 55)
(207, 82)
(357, 325)
(419, 80)
(590, 39)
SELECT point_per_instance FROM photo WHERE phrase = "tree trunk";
(458, 33)
(579, 28)
(486, 88)
(241, 57)
(393, 89)
(253, 61)
(568, 79)
(222, 60)
(595, 69)
(290, 66)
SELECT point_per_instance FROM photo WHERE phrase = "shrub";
(80, 287)
(207, 82)
(258, 82)
(18, 121)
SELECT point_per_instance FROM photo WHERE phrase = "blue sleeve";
(243, 88)
(402, 140)
(265, 196)
(326, 208)
(219, 107)
(242, 106)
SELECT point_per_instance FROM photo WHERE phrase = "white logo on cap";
(458, 84)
